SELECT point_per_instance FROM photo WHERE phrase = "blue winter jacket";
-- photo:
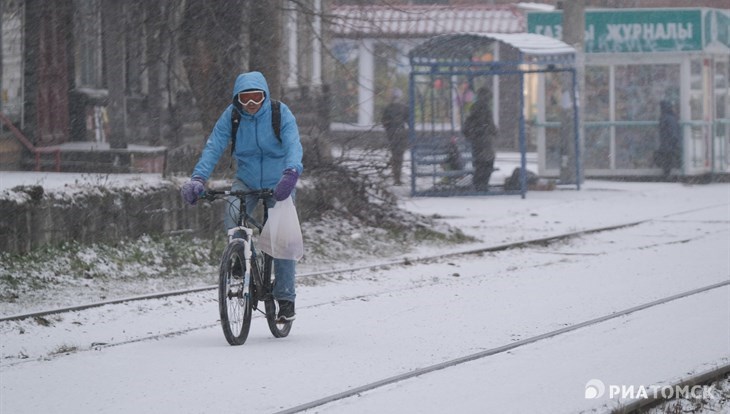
(260, 156)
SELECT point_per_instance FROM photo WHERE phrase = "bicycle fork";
(246, 288)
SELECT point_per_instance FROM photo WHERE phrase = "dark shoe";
(286, 311)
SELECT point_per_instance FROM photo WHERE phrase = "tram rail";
(498, 350)
(541, 241)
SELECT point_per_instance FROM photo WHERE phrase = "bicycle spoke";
(235, 301)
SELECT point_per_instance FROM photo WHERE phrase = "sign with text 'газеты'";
(629, 31)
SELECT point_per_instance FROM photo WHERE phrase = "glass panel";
(635, 146)
(722, 116)
(695, 74)
(390, 74)
(531, 96)
(558, 116)
(345, 86)
(87, 27)
(597, 147)
(639, 88)
(11, 48)
(597, 152)
(597, 94)
(697, 154)
(433, 101)
(531, 132)
(695, 93)
(552, 148)
(553, 95)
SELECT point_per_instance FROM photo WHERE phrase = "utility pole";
(573, 34)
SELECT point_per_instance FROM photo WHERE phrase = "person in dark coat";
(480, 131)
(669, 154)
(395, 121)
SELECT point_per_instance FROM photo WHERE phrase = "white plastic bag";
(281, 237)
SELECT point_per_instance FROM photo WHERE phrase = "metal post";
(412, 130)
(576, 132)
(523, 143)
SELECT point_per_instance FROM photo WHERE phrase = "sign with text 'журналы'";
(629, 31)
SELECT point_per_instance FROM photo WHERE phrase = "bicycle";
(246, 276)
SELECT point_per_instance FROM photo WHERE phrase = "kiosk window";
(640, 88)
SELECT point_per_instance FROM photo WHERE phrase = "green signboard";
(629, 31)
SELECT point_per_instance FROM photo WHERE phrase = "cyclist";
(264, 161)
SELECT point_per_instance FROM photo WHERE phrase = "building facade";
(634, 59)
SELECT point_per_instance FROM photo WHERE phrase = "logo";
(595, 389)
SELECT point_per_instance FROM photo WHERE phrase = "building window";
(87, 24)
(639, 89)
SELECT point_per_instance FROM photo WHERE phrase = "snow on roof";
(424, 21)
(534, 44)
(532, 6)
(461, 47)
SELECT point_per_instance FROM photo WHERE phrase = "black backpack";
(275, 122)
(513, 181)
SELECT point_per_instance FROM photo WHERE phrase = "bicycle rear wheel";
(278, 329)
(234, 295)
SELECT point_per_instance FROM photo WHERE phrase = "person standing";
(395, 121)
(264, 161)
(669, 154)
(480, 131)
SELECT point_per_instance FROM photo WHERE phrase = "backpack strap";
(276, 118)
(235, 121)
(275, 122)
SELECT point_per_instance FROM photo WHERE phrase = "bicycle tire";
(235, 301)
(277, 328)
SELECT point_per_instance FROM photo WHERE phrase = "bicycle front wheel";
(234, 294)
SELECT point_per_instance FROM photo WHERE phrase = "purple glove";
(286, 184)
(191, 190)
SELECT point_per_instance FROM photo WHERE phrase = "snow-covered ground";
(367, 325)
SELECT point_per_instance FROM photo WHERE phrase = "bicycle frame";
(246, 223)
(236, 304)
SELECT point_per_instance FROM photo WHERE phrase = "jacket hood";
(249, 80)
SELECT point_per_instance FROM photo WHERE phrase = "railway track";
(425, 370)
(542, 241)
(702, 378)
(498, 350)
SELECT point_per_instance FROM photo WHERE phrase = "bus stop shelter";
(445, 72)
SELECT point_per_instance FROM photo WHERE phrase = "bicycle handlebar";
(212, 195)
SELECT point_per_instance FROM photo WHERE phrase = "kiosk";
(634, 60)
(446, 71)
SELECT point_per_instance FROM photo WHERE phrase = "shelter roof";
(424, 21)
(462, 47)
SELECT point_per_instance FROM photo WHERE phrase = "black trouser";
(483, 162)
(482, 172)
(398, 143)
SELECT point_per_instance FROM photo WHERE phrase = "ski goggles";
(247, 97)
